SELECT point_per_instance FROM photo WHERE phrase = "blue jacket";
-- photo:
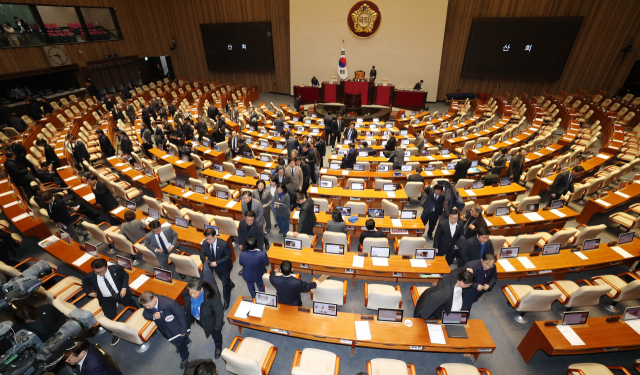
(95, 363)
(471, 294)
(288, 288)
(254, 263)
(222, 256)
(430, 202)
(172, 322)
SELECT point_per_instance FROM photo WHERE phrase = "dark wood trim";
(111, 61)
(38, 72)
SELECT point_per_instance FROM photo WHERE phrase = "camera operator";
(86, 360)
(44, 320)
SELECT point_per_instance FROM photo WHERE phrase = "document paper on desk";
(623, 195)
(508, 219)
(600, 201)
(313, 189)
(418, 263)
(243, 309)
(118, 210)
(436, 334)
(391, 194)
(137, 283)
(470, 192)
(635, 324)
(358, 261)
(187, 194)
(581, 255)
(570, 335)
(557, 213)
(621, 251)
(533, 216)
(257, 310)
(137, 177)
(89, 197)
(526, 262)
(230, 204)
(397, 223)
(506, 265)
(383, 262)
(362, 331)
(20, 217)
(80, 261)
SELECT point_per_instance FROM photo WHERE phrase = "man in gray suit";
(155, 104)
(279, 124)
(419, 141)
(295, 173)
(161, 241)
(131, 112)
(250, 204)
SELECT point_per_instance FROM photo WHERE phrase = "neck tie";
(569, 181)
(213, 250)
(291, 172)
(109, 287)
(162, 245)
(482, 249)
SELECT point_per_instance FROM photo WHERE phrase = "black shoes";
(233, 285)
(183, 364)
(226, 305)
(218, 353)
(115, 340)
(240, 273)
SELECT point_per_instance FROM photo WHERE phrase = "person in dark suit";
(373, 73)
(110, 284)
(397, 157)
(328, 127)
(130, 110)
(254, 262)
(432, 207)
(46, 174)
(170, 319)
(350, 160)
(391, 143)
(108, 102)
(153, 113)
(161, 241)
(446, 296)
(486, 276)
(105, 144)
(296, 103)
(49, 153)
(563, 184)
(498, 164)
(21, 27)
(314, 81)
(57, 211)
(18, 173)
(416, 177)
(125, 143)
(46, 107)
(418, 85)
(158, 135)
(291, 142)
(117, 114)
(103, 197)
(461, 169)
(336, 131)
(17, 123)
(212, 111)
(203, 305)
(516, 166)
(187, 131)
(80, 151)
(307, 219)
(146, 117)
(249, 227)
(279, 124)
(447, 234)
(288, 288)
(476, 246)
(44, 320)
(321, 147)
(216, 256)
(34, 109)
(371, 232)
(88, 360)
(474, 222)
(351, 133)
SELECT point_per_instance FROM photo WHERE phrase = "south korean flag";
(342, 65)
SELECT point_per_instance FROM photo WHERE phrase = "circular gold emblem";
(364, 19)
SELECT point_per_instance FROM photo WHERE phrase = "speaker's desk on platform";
(598, 335)
(320, 263)
(290, 321)
(559, 265)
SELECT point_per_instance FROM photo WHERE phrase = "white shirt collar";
(82, 361)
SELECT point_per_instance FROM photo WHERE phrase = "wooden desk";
(70, 253)
(598, 335)
(460, 141)
(500, 227)
(488, 194)
(28, 226)
(340, 196)
(371, 176)
(308, 261)
(210, 154)
(373, 160)
(186, 168)
(135, 177)
(287, 320)
(273, 151)
(78, 187)
(559, 265)
(204, 202)
(233, 182)
(614, 200)
(413, 228)
(542, 184)
(431, 135)
(190, 237)
(488, 151)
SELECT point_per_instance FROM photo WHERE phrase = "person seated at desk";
(474, 222)
(446, 296)
(351, 133)
(288, 288)
(314, 81)
(57, 211)
(447, 235)
(475, 247)
(87, 359)
(350, 160)
(44, 320)
(461, 169)
(254, 262)
(133, 229)
(161, 241)
(486, 276)
(365, 147)
(416, 177)
(418, 85)
(46, 174)
(563, 185)
(336, 224)
(187, 149)
(371, 232)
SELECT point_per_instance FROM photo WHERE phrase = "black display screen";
(525, 47)
(238, 46)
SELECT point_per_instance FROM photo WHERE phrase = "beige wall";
(406, 48)
(61, 16)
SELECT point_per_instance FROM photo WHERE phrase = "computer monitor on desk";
(290, 243)
(455, 322)
(124, 262)
(408, 215)
(625, 238)
(376, 213)
(182, 222)
(163, 275)
(502, 211)
(154, 214)
(221, 194)
(631, 313)
(574, 318)
(327, 309)
(333, 248)
(380, 252)
(199, 189)
(383, 168)
(92, 249)
(557, 204)
(326, 184)
(131, 206)
(428, 254)
(552, 249)
(390, 315)
(505, 181)
(591, 244)
(344, 211)
(478, 185)
(266, 299)
(509, 252)
(357, 186)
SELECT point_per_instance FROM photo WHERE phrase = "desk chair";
(464, 183)
(233, 194)
(186, 265)
(199, 220)
(620, 290)
(165, 173)
(333, 179)
(594, 369)
(522, 205)
(413, 189)
(249, 356)
(380, 183)
(250, 171)
(336, 238)
(377, 296)
(121, 243)
(307, 241)
(199, 163)
(208, 188)
(526, 242)
(408, 245)
(491, 207)
(226, 225)
(357, 208)
(371, 241)
(323, 204)
(390, 208)
(174, 211)
(387, 366)
(574, 295)
(136, 329)
(560, 236)
(416, 292)
(352, 181)
(586, 233)
(315, 362)
(525, 298)
(330, 291)
(154, 204)
(123, 194)
(460, 369)
(147, 255)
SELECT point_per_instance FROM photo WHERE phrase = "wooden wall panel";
(594, 63)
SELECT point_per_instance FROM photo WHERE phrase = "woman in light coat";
(263, 194)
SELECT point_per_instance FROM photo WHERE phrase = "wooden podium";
(352, 101)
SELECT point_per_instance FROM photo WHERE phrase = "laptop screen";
(91, 249)
(591, 244)
(406, 168)
(217, 167)
(326, 184)
(377, 213)
(163, 275)
(625, 238)
(380, 252)
(182, 222)
(551, 249)
(316, 208)
(631, 313)
(532, 207)
(221, 194)
(199, 189)
(501, 211)
(509, 252)
(390, 315)
(265, 158)
(474, 163)
(131, 205)
(344, 211)
(478, 184)
(154, 214)
(429, 254)
(574, 318)
(322, 308)
(332, 248)
(270, 300)
(124, 262)
(451, 166)
(290, 243)
(358, 167)
(557, 204)
(383, 168)
(264, 176)
(357, 186)
(455, 317)
(334, 166)
(408, 215)
(180, 183)
(505, 181)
